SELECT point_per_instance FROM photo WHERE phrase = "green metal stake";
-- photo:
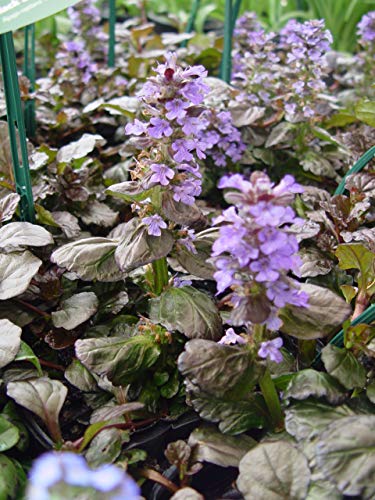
(367, 317)
(362, 162)
(235, 12)
(15, 122)
(190, 24)
(29, 72)
(112, 33)
(226, 63)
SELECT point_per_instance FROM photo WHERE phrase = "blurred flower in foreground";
(66, 475)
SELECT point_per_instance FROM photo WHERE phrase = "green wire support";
(16, 123)
(226, 62)
(362, 162)
(112, 33)
(29, 72)
(191, 21)
(367, 317)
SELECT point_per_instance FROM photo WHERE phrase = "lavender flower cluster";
(82, 52)
(366, 30)
(58, 471)
(365, 58)
(180, 132)
(255, 252)
(305, 45)
(255, 61)
(284, 72)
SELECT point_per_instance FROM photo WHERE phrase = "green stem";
(272, 400)
(160, 272)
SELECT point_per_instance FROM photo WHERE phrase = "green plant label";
(15, 14)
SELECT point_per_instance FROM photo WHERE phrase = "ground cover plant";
(191, 316)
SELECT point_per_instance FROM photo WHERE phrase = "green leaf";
(138, 248)
(306, 420)
(217, 369)
(310, 383)
(357, 256)
(90, 432)
(98, 213)
(75, 310)
(370, 392)
(106, 447)
(365, 111)
(79, 376)
(15, 236)
(128, 191)
(79, 149)
(91, 258)
(234, 417)
(340, 120)
(189, 311)
(8, 205)
(10, 341)
(10, 413)
(17, 270)
(180, 213)
(9, 478)
(198, 263)
(322, 490)
(9, 434)
(114, 411)
(170, 389)
(343, 366)
(42, 396)
(282, 133)
(121, 360)
(212, 446)
(349, 292)
(345, 453)
(324, 315)
(274, 471)
(25, 353)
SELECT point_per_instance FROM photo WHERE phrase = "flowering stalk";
(176, 135)
(366, 39)
(255, 251)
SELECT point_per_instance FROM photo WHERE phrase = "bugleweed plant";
(193, 312)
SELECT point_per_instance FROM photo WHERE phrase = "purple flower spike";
(155, 224)
(271, 349)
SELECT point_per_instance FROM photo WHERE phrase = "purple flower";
(154, 224)
(135, 128)
(176, 109)
(162, 174)
(182, 152)
(180, 282)
(231, 337)
(159, 128)
(194, 91)
(271, 349)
